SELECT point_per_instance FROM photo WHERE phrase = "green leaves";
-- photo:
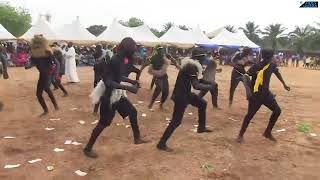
(304, 127)
(207, 168)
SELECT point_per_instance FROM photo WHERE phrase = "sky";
(208, 14)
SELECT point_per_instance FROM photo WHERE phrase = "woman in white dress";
(71, 67)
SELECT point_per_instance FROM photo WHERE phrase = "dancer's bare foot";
(240, 139)
(140, 141)
(43, 114)
(164, 147)
(90, 153)
(270, 137)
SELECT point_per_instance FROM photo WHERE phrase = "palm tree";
(231, 28)
(251, 30)
(272, 33)
(299, 37)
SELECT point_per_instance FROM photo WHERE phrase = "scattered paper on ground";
(120, 124)
(35, 160)
(194, 130)
(195, 125)
(127, 126)
(140, 102)
(151, 110)
(49, 129)
(73, 109)
(281, 130)
(10, 166)
(230, 118)
(82, 122)
(76, 143)
(58, 150)
(144, 115)
(80, 173)
(157, 102)
(95, 122)
(190, 113)
(50, 168)
(68, 142)
(9, 137)
(167, 124)
(55, 119)
(135, 104)
(168, 119)
(313, 134)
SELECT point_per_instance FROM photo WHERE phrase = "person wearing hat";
(114, 97)
(42, 57)
(182, 96)
(239, 61)
(158, 68)
(261, 75)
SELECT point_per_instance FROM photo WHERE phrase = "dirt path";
(295, 156)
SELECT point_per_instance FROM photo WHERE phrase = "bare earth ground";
(295, 156)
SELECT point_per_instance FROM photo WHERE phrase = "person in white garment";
(71, 67)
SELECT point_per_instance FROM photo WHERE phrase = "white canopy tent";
(198, 36)
(142, 34)
(76, 33)
(178, 37)
(215, 32)
(5, 35)
(41, 27)
(244, 40)
(115, 33)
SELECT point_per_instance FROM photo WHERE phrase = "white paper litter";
(168, 119)
(9, 137)
(49, 129)
(82, 122)
(194, 130)
(76, 143)
(281, 130)
(120, 124)
(230, 118)
(127, 126)
(95, 122)
(35, 160)
(73, 109)
(151, 110)
(190, 113)
(58, 150)
(10, 166)
(68, 142)
(80, 173)
(135, 104)
(167, 124)
(55, 119)
(144, 115)
(195, 125)
(140, 102)
(313, 134)
(50, 168)
(157, 102)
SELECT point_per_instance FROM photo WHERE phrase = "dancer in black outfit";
(114, 98)
(182, 97)
(239, 61)
(4, 72)
(158, 68)
(42, 57)
(60, 70)
(261, 75)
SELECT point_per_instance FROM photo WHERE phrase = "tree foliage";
(132, 22)
(96, 29)
(273, 33)
(231, 28)
(184, 27)
(16, 20)
(252, 31)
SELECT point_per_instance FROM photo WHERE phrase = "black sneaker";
(43, 114)
(164, 147)
(90, 153)
(205, 130)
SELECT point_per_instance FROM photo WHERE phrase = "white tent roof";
(143, 35)
(215, 32)
(178, 37)
(41, 27)
(115, 33)
(75, 32)
(199, 37)
(4, 34)
(226, 38)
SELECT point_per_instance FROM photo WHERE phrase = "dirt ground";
(295, 156)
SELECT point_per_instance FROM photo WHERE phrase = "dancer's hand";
(286, 87)
(133, 89)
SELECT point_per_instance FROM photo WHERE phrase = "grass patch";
(304, 127)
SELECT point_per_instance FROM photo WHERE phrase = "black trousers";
(255, 102)
(162, 86)
(178, 111)
(43, 85)
(235, 79)
(214, 93)
(153, 82)
(57, 85)
(107, 113)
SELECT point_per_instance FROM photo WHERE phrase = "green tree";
(16, 20)
(96, 29)
(166, 27)
(155, 32)
(184, 27)
(132, 22)
(252, 30)
(231, 28)
(299, 37)
(273, 33)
